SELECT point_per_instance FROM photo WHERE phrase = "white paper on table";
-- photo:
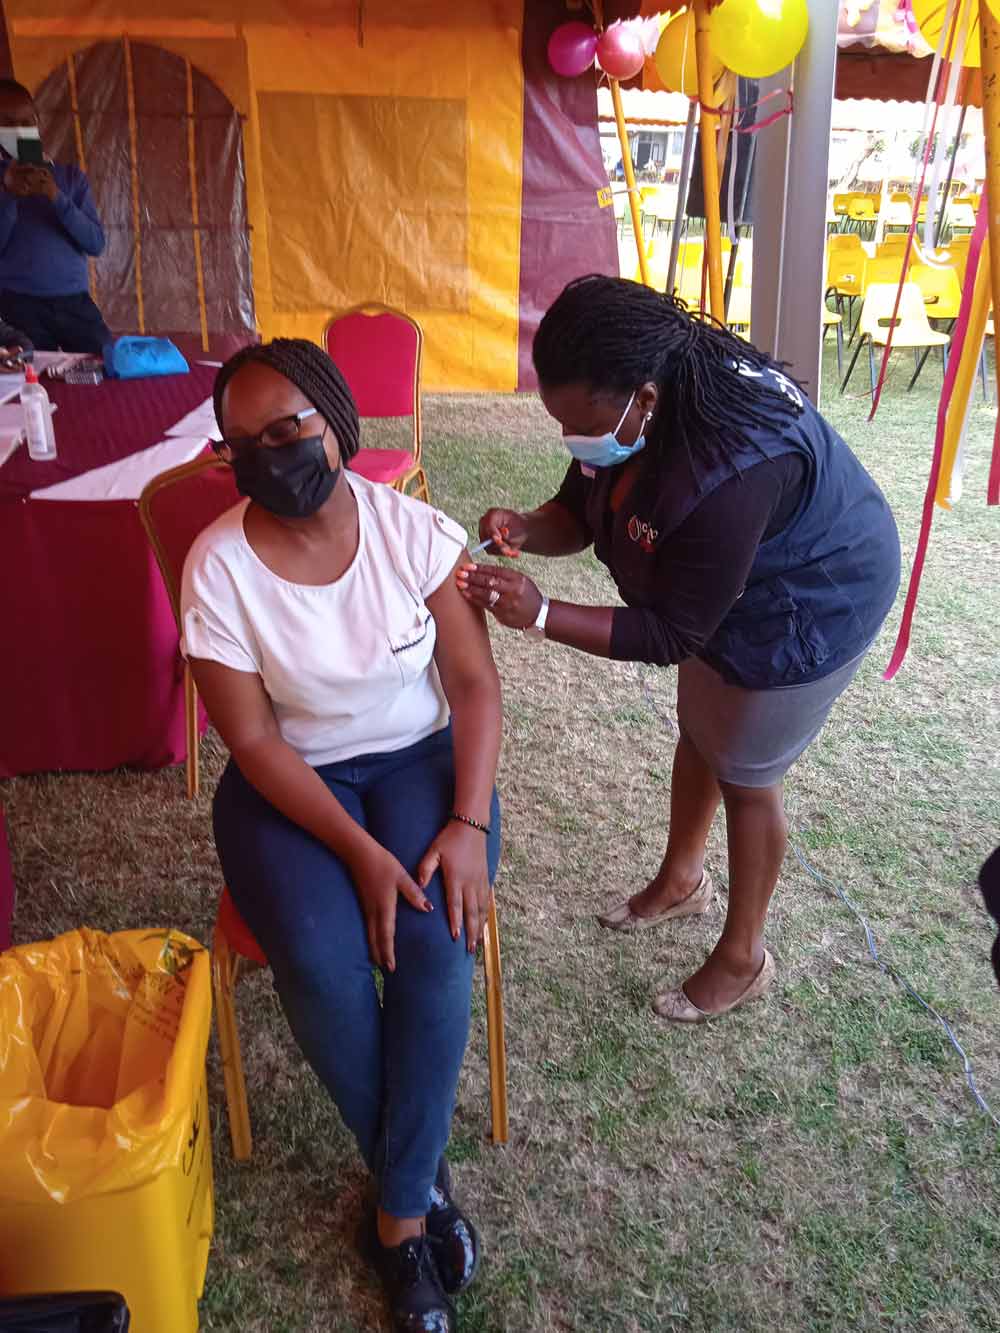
(126, 478)
(199, 421)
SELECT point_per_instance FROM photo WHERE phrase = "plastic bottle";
(37, 418)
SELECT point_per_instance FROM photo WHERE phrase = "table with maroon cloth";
(90, 674)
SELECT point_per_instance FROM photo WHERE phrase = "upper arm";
(237, 703)
(462, 652)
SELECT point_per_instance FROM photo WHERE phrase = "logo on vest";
(642, 532)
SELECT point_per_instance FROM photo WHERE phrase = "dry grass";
(812, 1163)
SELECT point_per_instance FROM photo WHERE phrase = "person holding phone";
(49, 227)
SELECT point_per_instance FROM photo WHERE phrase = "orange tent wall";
(347, 199)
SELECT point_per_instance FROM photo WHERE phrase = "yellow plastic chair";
(738, 314)
(942, 293)
(657, 261)
(845, 240)
(845, 275)
(892, 245)
(962, 216)
(863, 212)
(887, 268)
(841, 203)
(910, 329)
(941, 289)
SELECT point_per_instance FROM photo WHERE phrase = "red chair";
(378, 349)
(174, 508)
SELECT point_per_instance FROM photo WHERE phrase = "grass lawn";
(812, 1162)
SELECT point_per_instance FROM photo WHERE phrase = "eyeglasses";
(282, 431)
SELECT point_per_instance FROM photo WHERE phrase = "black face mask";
(292, 481)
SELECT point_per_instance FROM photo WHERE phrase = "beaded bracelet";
(472, 823)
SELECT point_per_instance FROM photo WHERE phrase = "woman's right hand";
(507, 529)
(379, 879)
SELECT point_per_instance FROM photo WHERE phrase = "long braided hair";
(614, 335)
(310, 369)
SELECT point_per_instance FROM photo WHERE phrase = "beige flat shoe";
(621, 917)
(675, 1005)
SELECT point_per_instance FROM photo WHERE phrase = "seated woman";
(356, 822)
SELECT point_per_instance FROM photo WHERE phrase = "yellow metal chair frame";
(227, 965)
(416, 471)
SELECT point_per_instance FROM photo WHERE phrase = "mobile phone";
(29, 152)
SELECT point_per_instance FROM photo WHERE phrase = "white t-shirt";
(349, 665)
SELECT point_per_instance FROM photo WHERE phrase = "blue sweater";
(43, 246)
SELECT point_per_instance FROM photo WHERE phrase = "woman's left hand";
(510, 596)
(459, 852)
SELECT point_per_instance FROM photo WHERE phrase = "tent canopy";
(418, 154)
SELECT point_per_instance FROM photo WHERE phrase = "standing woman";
(750, 548)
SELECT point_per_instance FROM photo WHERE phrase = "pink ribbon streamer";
(927, 517)
(993, 484)
(786, 110)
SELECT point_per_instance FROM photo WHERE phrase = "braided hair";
(614, 335)
(310, 369)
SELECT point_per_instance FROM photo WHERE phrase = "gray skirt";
(752, 737)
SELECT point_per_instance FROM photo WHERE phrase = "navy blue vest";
(819, 590)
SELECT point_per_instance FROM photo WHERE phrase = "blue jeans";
(391, 1068)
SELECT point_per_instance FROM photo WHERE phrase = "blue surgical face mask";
(605, 450)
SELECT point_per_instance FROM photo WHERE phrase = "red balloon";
(571, 49)
(620, 51)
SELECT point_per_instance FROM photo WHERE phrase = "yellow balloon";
(930, 16)
(756, 38)
(675, 58)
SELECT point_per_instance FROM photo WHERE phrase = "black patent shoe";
(413, 1287)
(453, 1237)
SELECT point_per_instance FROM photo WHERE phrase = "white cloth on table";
(199, 421)
(125, 478)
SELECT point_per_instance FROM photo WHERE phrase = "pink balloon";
(571, 49)
(620, 51)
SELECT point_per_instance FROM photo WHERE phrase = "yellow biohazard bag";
(105, 1158)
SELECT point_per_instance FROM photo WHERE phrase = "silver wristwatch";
(537, 630)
